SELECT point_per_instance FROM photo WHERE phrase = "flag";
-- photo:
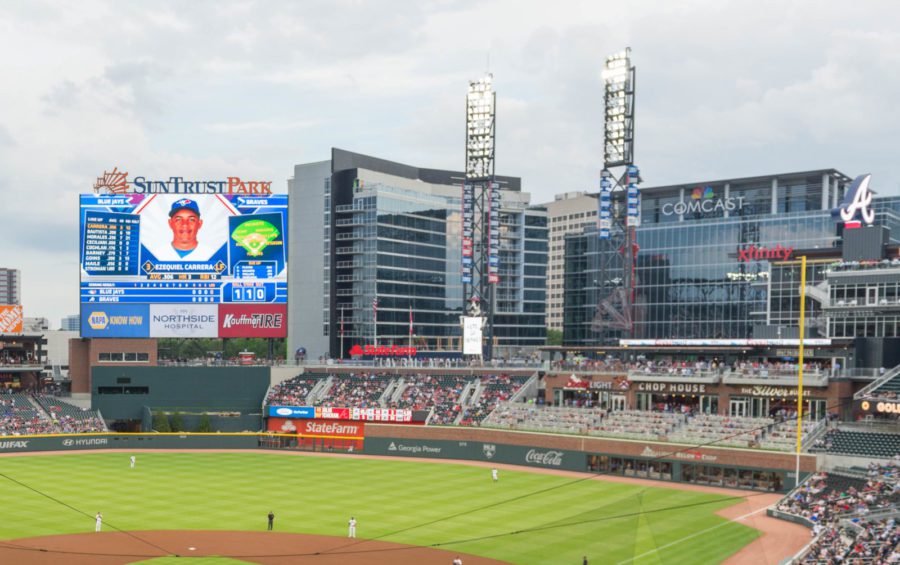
(375, 305)
(410, 320)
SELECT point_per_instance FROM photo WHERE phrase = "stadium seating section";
(22, 414)
(839, 507)
(463, 399)
(860, 443)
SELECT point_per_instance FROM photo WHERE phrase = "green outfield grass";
(560, 518)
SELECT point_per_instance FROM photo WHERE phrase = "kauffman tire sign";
(252, 320)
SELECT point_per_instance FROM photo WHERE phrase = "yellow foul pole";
(800, 367)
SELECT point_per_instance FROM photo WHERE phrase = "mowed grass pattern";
(451, 506)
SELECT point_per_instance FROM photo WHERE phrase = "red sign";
(332, 413)
(320, 428)
(364, 414)
(252, 320)
(383, 351)
(756, 253)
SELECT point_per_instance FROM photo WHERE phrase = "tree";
(177, 422)
(554, 337)
(205, 425)
(161, 422)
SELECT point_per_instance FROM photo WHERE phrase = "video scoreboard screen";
(174, 257)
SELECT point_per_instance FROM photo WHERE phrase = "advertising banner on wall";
(472, 326)
(184, 320)
(115, 320)
(252, 320)
(10, 319)
(317, 428)
(292, 411)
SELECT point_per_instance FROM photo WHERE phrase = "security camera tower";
(481, 206)
(619, 203)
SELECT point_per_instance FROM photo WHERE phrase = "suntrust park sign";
(116, 182)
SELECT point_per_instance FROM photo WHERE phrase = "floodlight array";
(618, 81)
(480, 115)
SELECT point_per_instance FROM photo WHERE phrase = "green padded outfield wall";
(121, 392)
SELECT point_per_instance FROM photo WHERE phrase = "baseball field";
(525, 517)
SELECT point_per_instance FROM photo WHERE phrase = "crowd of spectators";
(357, 390)
(69, 418)
(825, 498)
(838, 507)
(292, 392)
(442, 392)
(18, 416)
(495, 389)
(16, 358)
(683, 368)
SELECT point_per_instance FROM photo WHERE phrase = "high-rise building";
(71, 323)
(10, 286)
(387, 247)
(569, 212)
(704, 256)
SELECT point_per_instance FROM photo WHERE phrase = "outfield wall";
(727, 467)
(735, 467)
(80, 442)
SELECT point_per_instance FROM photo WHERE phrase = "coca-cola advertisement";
(252, 320)
(548, 458)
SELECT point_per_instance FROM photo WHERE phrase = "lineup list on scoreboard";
(111, 243)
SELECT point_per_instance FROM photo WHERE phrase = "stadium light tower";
(620, 202)
(481, 205)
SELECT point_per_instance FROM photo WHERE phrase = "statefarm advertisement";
(317, 428)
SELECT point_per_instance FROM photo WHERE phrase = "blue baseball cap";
(184, 204)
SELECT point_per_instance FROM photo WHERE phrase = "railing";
(867, 390)
(813, 434)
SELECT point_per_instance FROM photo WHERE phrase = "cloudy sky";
(212, 89)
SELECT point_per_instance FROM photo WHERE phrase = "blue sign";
(304, 412)
(115, 320)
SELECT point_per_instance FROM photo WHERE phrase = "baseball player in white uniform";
(352, 527)
(99, 523)
(133, 461)
(494, 475)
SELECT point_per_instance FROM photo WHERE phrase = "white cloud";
(210, 89)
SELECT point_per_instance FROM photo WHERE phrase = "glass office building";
(392, 237)
(703, 265)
